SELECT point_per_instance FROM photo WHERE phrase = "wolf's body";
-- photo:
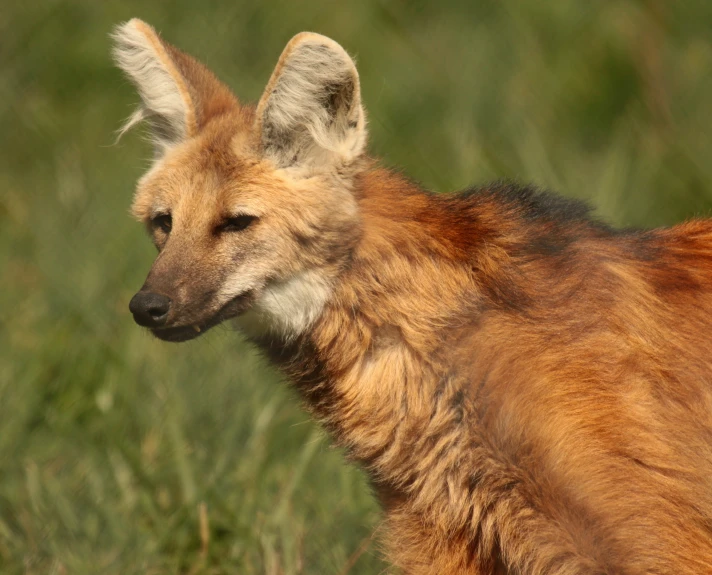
(530, 390)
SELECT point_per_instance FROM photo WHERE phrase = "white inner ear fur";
(165, 101)
(311, 111)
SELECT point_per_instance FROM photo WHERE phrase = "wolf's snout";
(150, 309)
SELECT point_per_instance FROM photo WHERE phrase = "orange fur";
(529, 390)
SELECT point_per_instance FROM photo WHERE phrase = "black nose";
(150, 309)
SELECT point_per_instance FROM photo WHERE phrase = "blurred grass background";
(120, 454)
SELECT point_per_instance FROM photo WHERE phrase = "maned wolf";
(529, 389)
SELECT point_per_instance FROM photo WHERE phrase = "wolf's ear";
(310, 113)
(178, 94)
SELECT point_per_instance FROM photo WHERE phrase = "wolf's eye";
(163, 222)
(236, 223)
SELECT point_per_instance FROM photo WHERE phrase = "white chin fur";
(290, 307)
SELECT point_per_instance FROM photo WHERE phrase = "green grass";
(110, 442)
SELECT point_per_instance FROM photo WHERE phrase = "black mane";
(534, 204)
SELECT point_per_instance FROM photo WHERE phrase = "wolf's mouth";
(237, 305)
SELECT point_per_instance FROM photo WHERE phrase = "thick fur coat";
(529, 390)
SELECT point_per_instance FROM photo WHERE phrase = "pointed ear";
(310, 113)
(178, 94)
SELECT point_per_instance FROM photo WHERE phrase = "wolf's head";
(250, 207)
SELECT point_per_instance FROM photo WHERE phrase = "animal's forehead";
(222, 169)
(216, 165)
(222, 153)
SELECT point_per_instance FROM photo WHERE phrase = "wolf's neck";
(371, 361)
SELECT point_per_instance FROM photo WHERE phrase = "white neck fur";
(288, 308)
